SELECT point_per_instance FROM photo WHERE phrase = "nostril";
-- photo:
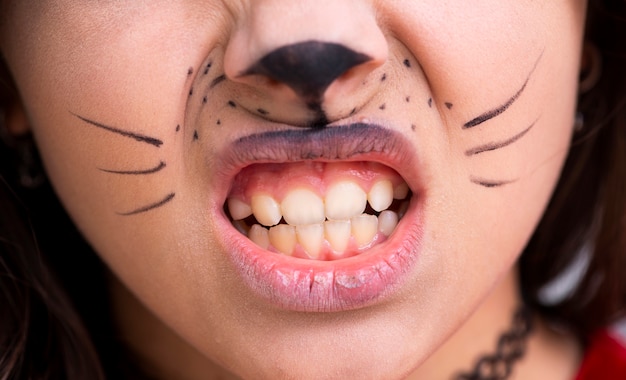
(308, 68)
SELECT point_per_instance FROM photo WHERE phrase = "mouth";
(317, 210)
(322, 220)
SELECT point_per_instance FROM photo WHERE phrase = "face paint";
(308, 68)
(183, 103)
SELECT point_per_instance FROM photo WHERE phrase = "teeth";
(380, 196)
(301, 207)
(238, 209)
(345, 200)
(337, 233)
(310, 238)
(283, 238)
(266, 210)
(364, 229)
(401, 191)
(402, 210)
(387, 222)
(324, 228)
(259, 236)
(241, 226)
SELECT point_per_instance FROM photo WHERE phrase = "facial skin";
(138, 68)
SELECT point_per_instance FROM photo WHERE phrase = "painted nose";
(305, 62)
(308, 68)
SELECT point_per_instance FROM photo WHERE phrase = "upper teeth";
(302, 207)
(343, 201)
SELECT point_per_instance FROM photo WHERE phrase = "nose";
(308, 68)
(301, 59)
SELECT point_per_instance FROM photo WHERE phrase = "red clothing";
(605, 359)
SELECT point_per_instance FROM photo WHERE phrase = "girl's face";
(161, 122)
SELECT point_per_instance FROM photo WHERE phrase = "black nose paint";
(308, 68)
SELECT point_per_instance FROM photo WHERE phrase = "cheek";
(106, 66)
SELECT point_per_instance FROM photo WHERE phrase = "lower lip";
(328, 286)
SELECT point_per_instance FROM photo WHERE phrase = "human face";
(150, 115)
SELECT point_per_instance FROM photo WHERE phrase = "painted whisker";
(490, 183)
(498, 144)
(500, 109)
(155, 169)
(149, 207)
(139, 137)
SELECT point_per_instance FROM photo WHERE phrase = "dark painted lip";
(323, 286)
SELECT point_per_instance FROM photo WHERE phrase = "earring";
(579, 122)
(24, 156)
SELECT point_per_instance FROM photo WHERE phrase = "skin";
(183, 307)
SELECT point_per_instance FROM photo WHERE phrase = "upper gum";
(315, 176)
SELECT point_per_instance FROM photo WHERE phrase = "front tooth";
(380, 196)
(283, 238)
(238, 209)
(345, 200)
(302, 207)
(364, 229)
(337, 233)
(401, 191)
(259, 236)
(387, 222)
(310, 238)
(265, 209)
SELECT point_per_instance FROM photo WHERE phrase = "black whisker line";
(490, 183)
(136, 172)
(499, 110)
(149, 207)
(141, 138)
(495, 112)
(499, 144)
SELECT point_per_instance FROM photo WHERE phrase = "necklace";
(511, 347)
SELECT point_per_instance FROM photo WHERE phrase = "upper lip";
(350, 142)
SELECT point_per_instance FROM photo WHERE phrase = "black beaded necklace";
(511, 347)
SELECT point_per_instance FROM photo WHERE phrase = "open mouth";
(318, 210)
(321, 220)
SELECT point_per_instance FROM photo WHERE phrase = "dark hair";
(586, 218)
(54, 322)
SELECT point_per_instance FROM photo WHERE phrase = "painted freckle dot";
(219, 122)
(384, 77)
(232, 104)
(407, 63)
(195, 135)
(190, 71)
(430, 102)
(191, 91)
(383, 106)
(178, 128)
(413, 127)
(449, 105)
(408, 99)
(204, 100)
